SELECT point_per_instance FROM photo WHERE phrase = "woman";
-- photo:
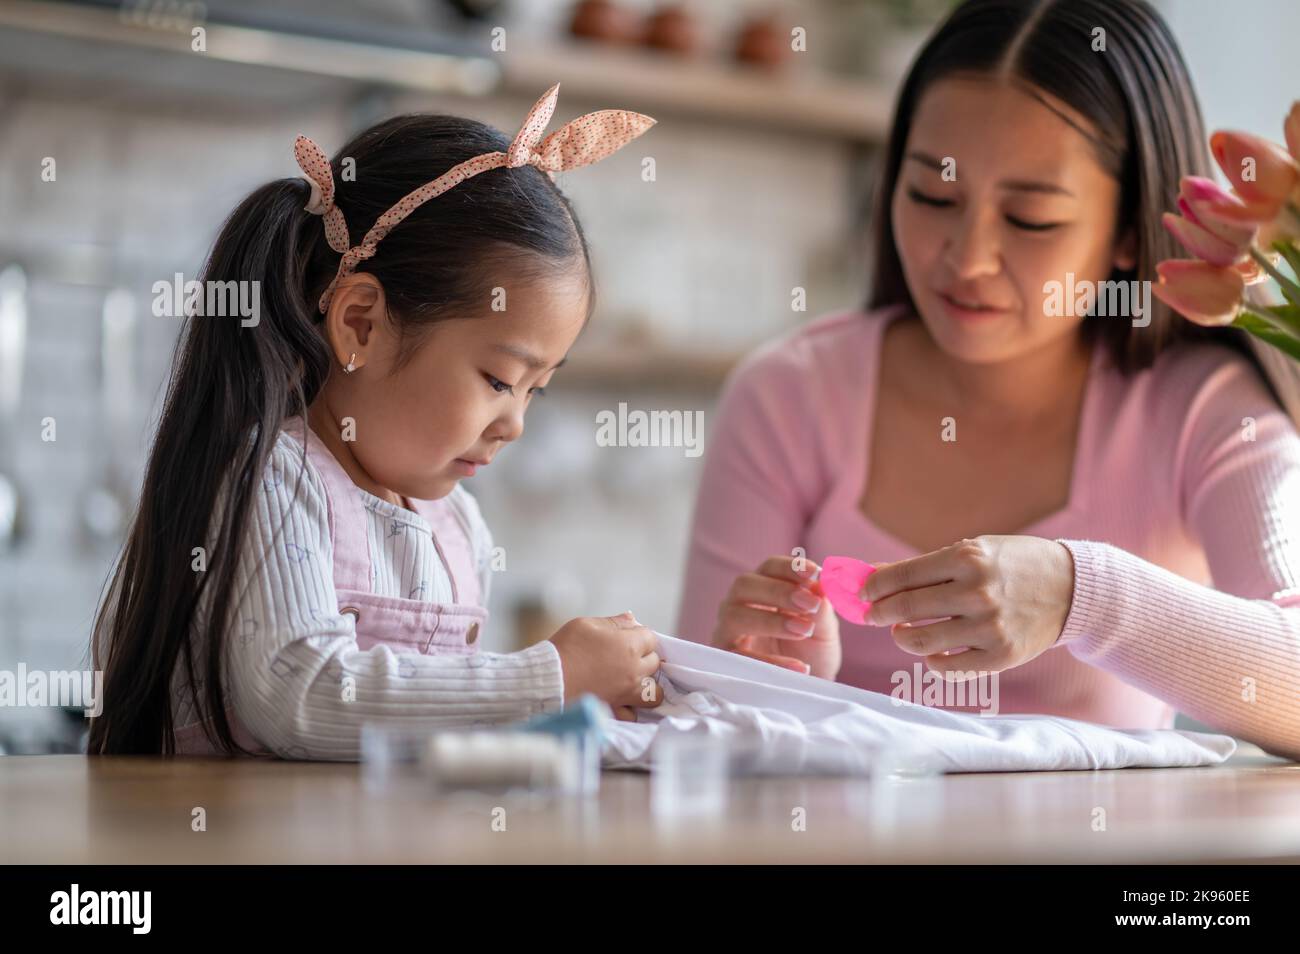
(1123, 490)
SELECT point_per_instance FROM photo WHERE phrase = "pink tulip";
(1204, 293)
(1217, 210)
(1275, 171)
(1201, 242)
(1292, 128)
(1250, 271)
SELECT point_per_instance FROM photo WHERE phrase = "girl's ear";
(356, 312)
(1126, 251)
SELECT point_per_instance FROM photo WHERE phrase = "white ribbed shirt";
(290, 654)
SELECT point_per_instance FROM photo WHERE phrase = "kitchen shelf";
(791, 99)
(641, 368)
(101, 42)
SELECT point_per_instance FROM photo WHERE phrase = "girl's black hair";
(1136, 93)
(232, 387)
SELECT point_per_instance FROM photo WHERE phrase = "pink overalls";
(404, 625)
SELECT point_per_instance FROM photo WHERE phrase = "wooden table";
(73, 809)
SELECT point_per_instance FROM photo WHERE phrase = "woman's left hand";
(1007, 596)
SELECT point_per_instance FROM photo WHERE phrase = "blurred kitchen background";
(764, 161)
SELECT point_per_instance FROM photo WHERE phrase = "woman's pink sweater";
(1183, 520)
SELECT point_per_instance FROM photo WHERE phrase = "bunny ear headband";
(581, 142)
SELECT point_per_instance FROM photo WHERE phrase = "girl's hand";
(1007, 596)
(778, 614)
(612, 657)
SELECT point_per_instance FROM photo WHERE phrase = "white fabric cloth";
(777, 722)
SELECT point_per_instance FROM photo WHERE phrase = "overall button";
(472, 635)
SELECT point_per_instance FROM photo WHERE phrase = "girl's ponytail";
(233, 383)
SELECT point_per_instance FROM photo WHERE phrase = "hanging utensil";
(13, 344)
(104, 506)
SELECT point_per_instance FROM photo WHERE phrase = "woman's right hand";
(778, 614)
(614, 658)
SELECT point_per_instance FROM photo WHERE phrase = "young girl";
(1124, 489)
(304, 559)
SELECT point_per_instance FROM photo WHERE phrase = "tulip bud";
(1204, 293)
(1219, 211)
(1200, 242)
(1261, 171)
(1292, 127)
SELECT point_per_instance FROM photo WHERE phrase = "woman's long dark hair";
(232, 387)
(1137, 94)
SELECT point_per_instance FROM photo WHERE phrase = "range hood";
(149, 40)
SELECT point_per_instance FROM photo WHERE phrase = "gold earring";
(351, 365)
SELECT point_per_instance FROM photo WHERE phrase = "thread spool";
(497, 760)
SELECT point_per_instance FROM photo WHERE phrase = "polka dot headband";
(581, 142)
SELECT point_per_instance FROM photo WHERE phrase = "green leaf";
(1288, 314)
(1265, 332)
(1288, 286)
(1291, 254)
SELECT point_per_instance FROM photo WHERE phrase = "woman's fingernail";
(799, 627)
(804, 600)
(808, 570)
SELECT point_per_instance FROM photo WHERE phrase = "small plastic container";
(689, 776)
(555, 755)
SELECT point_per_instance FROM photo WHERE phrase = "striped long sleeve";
(292, 654)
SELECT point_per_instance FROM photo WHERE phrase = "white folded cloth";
(776, 722)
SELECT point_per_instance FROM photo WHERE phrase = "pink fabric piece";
(842, 579)
(1185, 536)
(580, 142)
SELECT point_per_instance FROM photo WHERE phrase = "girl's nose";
(973, 251)
(510, 425)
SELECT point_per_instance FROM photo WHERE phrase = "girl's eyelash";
(504, 388)
(946, 203)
